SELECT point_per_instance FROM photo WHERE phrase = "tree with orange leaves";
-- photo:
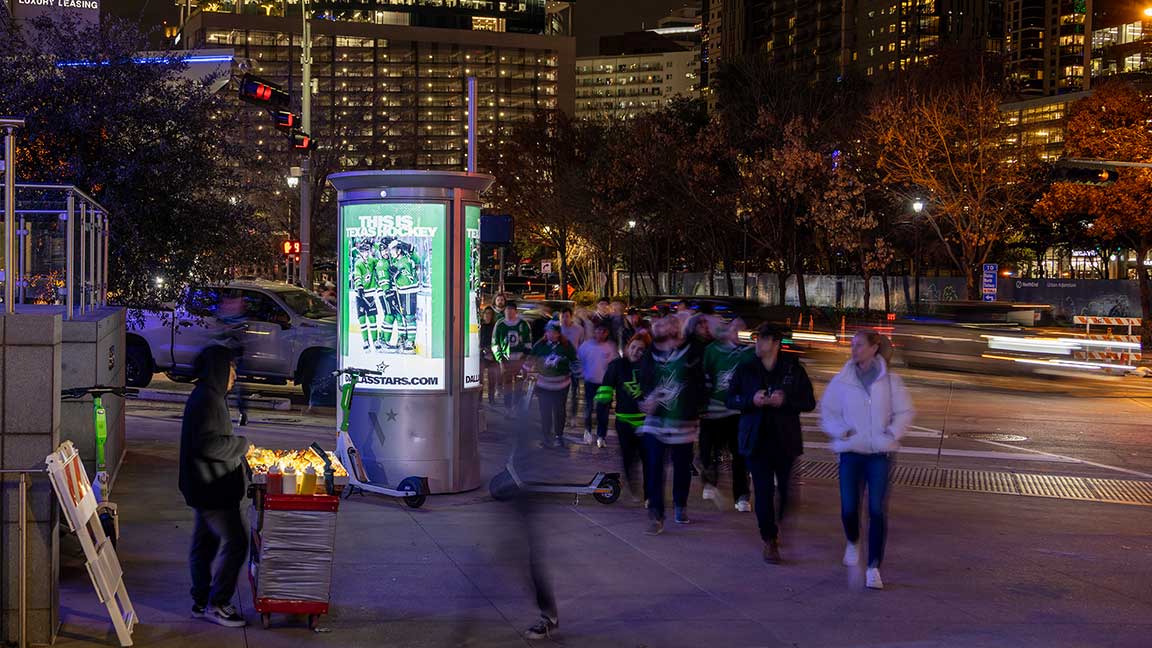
(1112, 125)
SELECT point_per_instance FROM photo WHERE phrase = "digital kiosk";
(409, 289)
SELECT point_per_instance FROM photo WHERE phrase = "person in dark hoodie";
(213, 484)
(771, 391)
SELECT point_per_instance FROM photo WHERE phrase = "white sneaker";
(710, 492)
(742, 505)
(852, 555)
(588, 438)
(601, 443)
(872, 579)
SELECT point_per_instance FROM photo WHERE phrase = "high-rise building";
(828, 39)
(1045, 46)
(625, 86)
(387, 93)
(1122, 40)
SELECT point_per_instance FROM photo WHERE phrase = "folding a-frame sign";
(79, 504)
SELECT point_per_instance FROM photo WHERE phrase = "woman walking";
(490, 369)
(866, 410)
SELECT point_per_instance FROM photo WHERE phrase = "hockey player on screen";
(386, 302)
(406, 283)
(364, 283)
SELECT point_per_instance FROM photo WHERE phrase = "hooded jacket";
(211, 457)
(866, 420)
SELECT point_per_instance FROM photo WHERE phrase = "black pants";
(601, 410)
(654, 451)
(534, 530)
(512, 388)
(217, 533)
(771, 471)
(716, 435)
(491, 371)
(632, 452)
(552, 414)
(575, 388)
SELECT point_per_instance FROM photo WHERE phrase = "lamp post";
(917, 208)
(744, 224)
(9, 126)
(305, 271)
(631, 264)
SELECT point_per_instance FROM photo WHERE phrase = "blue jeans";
(654, 452)
(601, 410)
(856, 470)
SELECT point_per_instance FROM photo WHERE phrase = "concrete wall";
(1068, 297)
(30, 378)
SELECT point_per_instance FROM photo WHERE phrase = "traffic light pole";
(304, 272)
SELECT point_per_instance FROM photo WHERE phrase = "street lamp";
(631, 263)
(293, 181)
(1148, 12)
(917, 205)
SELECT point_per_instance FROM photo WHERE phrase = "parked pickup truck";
(286, 332)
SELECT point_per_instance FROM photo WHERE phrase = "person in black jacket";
(770, 391)
(489, 368)
(213, 484)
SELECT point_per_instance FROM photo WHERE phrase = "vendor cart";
(290, 564)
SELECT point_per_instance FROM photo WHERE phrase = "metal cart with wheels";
(290, 562)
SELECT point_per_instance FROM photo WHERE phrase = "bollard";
(843, 326)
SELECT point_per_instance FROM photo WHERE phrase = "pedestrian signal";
(290, 248)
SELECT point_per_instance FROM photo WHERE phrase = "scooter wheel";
(413, 485)
(313, 621)
(502, 486)
(613, 494)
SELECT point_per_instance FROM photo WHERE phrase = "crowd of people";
(686, 390)
(683, 385)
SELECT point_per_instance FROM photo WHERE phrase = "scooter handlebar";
(98, 390)
(357, 372)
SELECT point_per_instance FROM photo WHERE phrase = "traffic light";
(1084, 174)
(257, 91)
(275, 100)
(286, 120)
(290, 248)
(302, 141)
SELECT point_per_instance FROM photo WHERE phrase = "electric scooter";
(413, 490)
(100, 485)
(604, 486)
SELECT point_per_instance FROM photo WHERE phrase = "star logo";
(391, 414)
(382, 368)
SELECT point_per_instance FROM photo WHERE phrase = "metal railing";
(22, 564)
(62, 254)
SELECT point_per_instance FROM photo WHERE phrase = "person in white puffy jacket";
(866, 410)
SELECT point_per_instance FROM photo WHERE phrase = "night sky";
(594, 18)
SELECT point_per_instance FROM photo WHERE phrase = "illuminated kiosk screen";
(393, 275)
(472, 296)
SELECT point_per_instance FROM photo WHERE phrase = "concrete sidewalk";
(961, 569)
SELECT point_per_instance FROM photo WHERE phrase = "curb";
(254, 402)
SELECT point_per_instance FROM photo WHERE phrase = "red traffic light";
(302, 141)
(290, 248)
(255, 90)
(285, 119)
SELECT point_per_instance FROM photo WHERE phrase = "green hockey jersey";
(720, 362)
(511, 340)
(406, 273)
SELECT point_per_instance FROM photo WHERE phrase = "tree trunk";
(711, 278)
(867, 296)
(908, 303)
(1145, 301)
(971, 283)
(887, 292)
(782, 287)
(563, 253)
(801, 291)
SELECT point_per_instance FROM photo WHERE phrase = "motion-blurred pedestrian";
(622, 384)
(866, 410)
(490, 369)
(672, 385)
(771, 391)
(511, 343)
(552, 359)
(594, 356)
(720, 424)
